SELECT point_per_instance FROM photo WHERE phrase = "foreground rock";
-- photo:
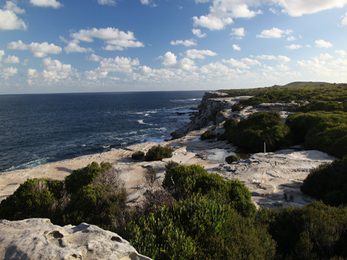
(40, 239)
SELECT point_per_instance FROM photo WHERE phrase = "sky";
(51, 46)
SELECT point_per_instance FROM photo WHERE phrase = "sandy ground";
(273, 178)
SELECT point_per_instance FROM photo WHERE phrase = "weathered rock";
(40, 239)
(209, 112)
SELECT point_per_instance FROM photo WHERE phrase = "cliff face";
(214, 108)
(40, 239)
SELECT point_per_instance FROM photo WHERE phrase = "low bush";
(199, 228)
(325, 131)
(157, 153)
(316, 231)
(262, 127)
(185, 181)
(328, 183)
(93, 194)
(138, 156)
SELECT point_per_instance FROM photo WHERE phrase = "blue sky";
(144, 45)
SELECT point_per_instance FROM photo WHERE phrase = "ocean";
(40, 128)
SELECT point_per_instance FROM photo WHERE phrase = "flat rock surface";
(40, 239)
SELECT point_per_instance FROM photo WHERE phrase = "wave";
(30, 164)
(185, 100)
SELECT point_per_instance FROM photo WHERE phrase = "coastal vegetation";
(158, 152)
(262, 127)
(196, 215)
(328, 183)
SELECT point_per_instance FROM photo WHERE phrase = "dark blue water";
(36, 129)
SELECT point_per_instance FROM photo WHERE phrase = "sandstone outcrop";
(40, 239)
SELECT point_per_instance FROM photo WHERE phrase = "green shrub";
(236, 107)
(138, 156)
(185, 181)
(199, 228)
(328, 183)
(324, 131)
(34, 198)
(207, 135)
(314, 232)
(84, 176)
(319, 105)
(232, 158)
(250, 134)
(98, 197)
(157, 153)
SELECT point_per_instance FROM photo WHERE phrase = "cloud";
(186, 43)
(236, 47)
(12, 6)
(223, 12)
(39, 50)
(211, 22)
(54, 70)
(323, 44)
(146, 2)
(9, 72)
(46, 3)
(302, 7)
(187, 64)
(107, 2)
(10, 21)
(114, 39)
(74, 46)
(278, 58)
(238, 32)
(274, 33)
(109, 66)
(198, 33)
(344, 20)
(294, 46)
(12, 59)
(169, 59)
(199, 54)
(2, 54)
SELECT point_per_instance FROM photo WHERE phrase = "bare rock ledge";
(40, 239)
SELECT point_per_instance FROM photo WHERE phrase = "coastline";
(268, 176)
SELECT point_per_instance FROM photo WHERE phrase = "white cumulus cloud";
(238, 32)
(9, 72)
(323, 44)
(198, 33)
(39, 50)
(195, 54)
(46, 3)
(107, 2)
(10, 21)
(274, 33)
(55, 70)
(114, 39)
(11, 59)
(186, 43)
(169, 59)
(236, 47)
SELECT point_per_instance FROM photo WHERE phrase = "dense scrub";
(250, 134)
(157, 153)
(93, 194)
(212, 219)
(316, 231)
(297, 91)
(328, 183)
(199, 215)
(325, 131)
